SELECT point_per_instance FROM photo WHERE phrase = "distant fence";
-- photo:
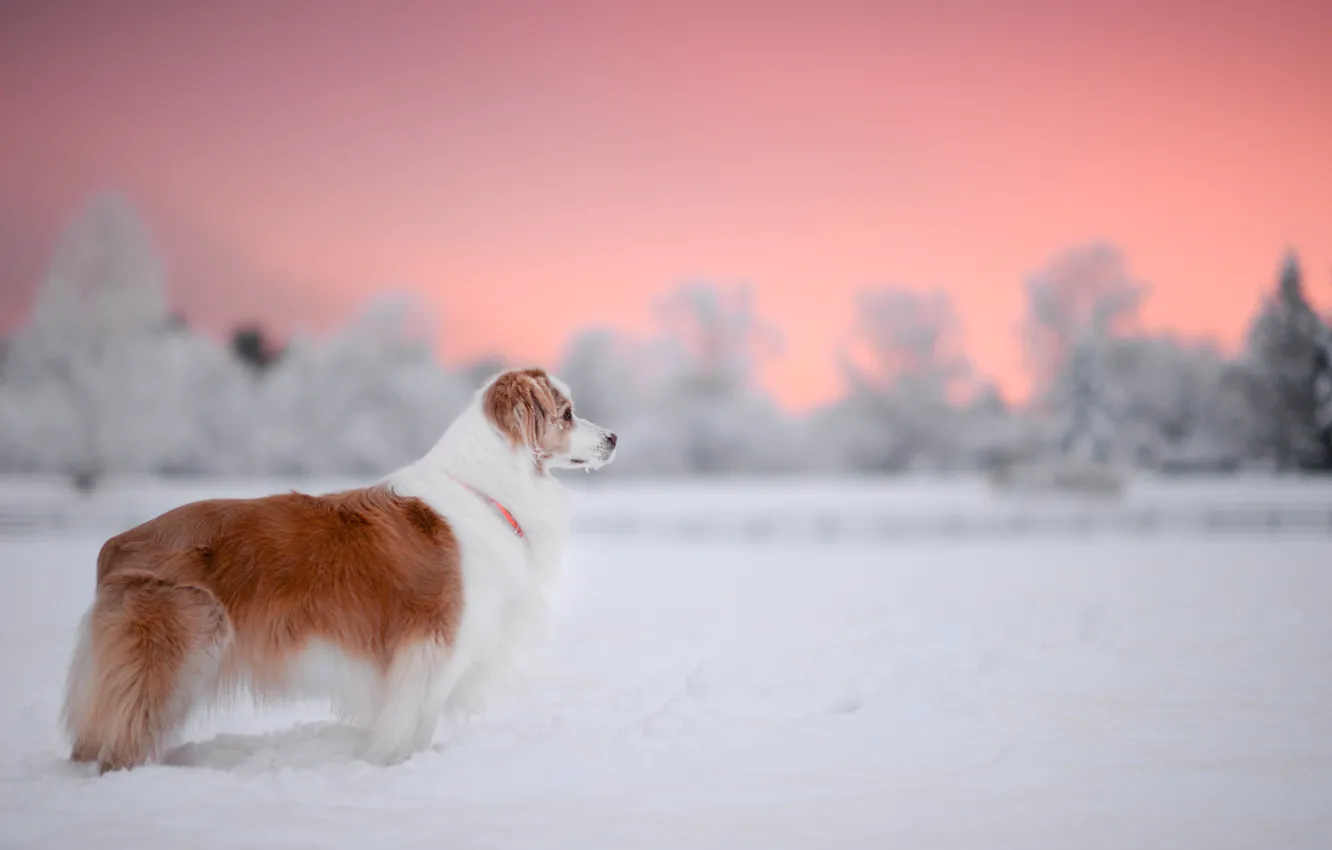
(815, 525)
(835, 527)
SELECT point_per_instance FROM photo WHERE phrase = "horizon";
(292, 162)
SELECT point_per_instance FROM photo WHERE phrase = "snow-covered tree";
(704, 412)
(94, 381)
(220, 391)
(907, 341)
(602, 367)
(989, 434)
(1170, 401)
(1286, 376)
(1075, 307)
(905, 370)
(363, 402)
(1080, 397)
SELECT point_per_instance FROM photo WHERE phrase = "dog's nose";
(611, 438)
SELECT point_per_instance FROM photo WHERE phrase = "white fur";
(79, 678)
(506, 579)
(323, 671)
(419, 684)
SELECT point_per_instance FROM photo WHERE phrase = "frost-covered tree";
(362, 402)
(1075, 306)
(602, 367)
(906, 341)
(704, 412)
(990, 434)
(1285, 363)
(94, 381)
(1079, 394)
(1170, 401)
(905, 370)
(221, 392)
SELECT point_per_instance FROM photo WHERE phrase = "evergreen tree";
(1285, 365)
(250, 343)
(1323, 389)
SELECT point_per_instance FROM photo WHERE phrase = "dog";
(398, 602)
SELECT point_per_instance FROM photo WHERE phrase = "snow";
(788, 506)
(1023, 692)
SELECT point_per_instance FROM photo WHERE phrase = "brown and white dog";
(397, 601)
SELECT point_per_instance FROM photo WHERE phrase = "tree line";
(104, 378)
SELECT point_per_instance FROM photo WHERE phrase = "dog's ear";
(521, 404)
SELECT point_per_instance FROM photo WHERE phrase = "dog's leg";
(151, 646)
(415, 690)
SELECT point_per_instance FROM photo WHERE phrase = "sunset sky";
(535, 168)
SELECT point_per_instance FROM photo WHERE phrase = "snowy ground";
(790, 508)
(1107, 692)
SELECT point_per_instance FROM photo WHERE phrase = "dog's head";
(535, 412)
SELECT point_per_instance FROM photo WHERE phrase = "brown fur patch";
(366, 570)
(146, 631)
(527, 408)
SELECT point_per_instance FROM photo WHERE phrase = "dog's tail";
(146, 648)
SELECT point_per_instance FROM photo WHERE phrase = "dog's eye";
(568, 414)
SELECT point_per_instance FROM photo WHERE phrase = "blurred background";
(970, 361)
(884, 238)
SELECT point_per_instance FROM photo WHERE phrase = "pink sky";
(535, 168)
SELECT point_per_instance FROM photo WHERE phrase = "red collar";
(504, 512)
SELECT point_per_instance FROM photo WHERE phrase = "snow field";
(1061, 693)
(33, 504)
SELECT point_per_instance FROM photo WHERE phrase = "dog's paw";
(384, 754)
(385, 750)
